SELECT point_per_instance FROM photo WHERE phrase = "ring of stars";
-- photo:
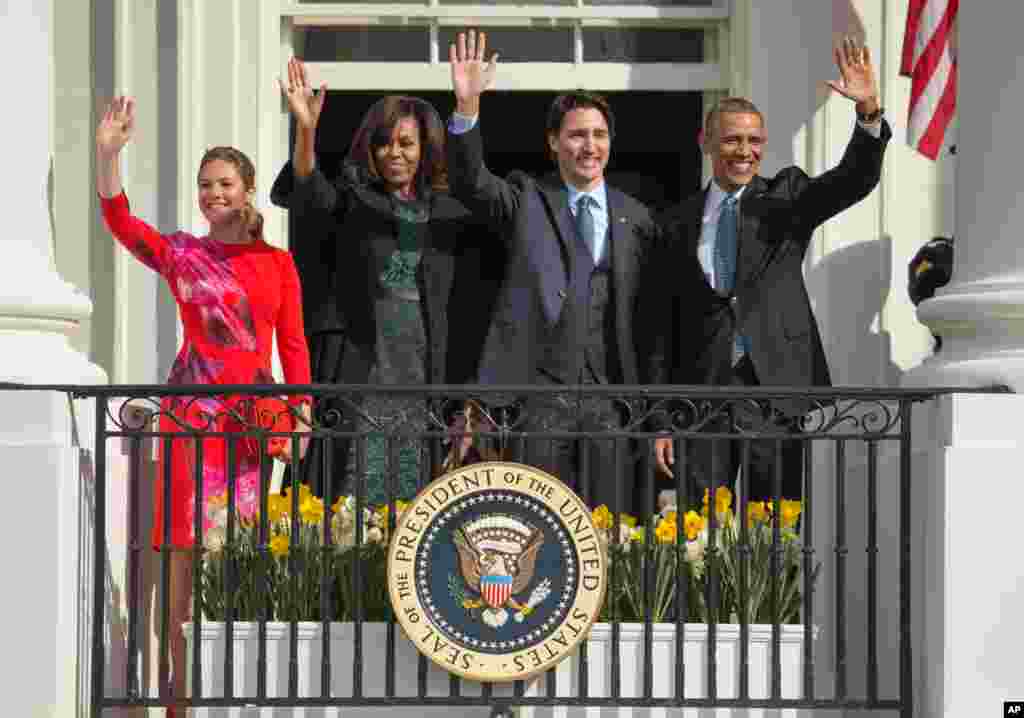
(560, 606)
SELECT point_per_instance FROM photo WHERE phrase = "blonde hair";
(247, 171)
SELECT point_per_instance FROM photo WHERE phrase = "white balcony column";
(969, 447)
(41, 607)
(37, 307)
(980, 314)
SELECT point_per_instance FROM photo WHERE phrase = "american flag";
(496, 589)
(929, 59)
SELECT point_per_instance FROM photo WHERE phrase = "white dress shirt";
(599, 213)
(709, 229)
(460, 124)
(713, 211)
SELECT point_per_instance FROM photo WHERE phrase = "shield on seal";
(496, 589)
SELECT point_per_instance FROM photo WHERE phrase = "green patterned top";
(401, 345)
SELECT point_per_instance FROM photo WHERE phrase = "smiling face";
(735, 147)
(582, 147)
(398, 160)
(222, 193)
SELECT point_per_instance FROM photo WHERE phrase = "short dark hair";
(729, 104)
(569, 101)
(375, 132)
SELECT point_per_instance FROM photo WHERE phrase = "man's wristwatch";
(871, 118)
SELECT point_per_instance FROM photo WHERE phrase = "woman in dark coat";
(398, 280)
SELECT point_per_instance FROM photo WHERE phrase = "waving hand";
(857, 75)
(471, 75)
(304, 103)
(116, 126)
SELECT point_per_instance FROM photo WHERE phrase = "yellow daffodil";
(671, 516)
(278, 507)
(693, 524)
(723, 500)
(757, 512)
(279, 545)
(628, 520)
(790, 513)
(666, 531)
(312, 509)
(602, 517)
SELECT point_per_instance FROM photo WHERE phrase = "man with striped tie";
(727, 300)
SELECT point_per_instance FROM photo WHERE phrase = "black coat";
(337, 224)
(692, 326)
(538, 229)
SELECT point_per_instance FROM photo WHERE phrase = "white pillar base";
(982, 327)
(967, 653)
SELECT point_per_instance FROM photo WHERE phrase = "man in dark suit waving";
(732, 283)
(565, 313)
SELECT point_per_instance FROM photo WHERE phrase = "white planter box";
(631, 661)
(566, 675)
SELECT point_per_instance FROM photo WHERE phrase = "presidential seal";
(496, 572)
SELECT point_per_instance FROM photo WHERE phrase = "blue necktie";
(585, 224)
(726, 245)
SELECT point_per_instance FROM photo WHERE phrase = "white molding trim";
(341, 13)
(606, 76)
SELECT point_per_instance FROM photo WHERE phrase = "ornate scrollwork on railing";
(340, 409)
(750, 416)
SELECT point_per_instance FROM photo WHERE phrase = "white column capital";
(980, 315)
(37, 307)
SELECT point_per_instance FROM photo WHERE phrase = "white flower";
(625, 534)
(695, 550)
(215, 539)
(218, 516)
(667, 501)
(374, 535)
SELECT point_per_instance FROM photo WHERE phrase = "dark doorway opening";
(654, 157)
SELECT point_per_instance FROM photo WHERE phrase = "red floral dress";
(232, 298)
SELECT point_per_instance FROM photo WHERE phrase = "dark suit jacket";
(538, 228)
(692, 341)
(458, 276)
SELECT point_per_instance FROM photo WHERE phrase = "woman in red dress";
(233, 291)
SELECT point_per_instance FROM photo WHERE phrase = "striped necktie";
(585, 224)
(725, 246)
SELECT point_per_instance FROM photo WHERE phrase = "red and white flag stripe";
(930, 61)
(496, 590)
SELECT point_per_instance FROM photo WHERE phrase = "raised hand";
(471, 75)
(305, 104)
(116, 126)
(857, 76)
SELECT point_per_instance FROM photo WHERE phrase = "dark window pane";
(519, 44)
(642, 45)
(367, 44)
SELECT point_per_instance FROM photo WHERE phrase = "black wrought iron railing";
(821, 560)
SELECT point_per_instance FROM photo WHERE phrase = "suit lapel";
(557, 200)
(752, 252)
